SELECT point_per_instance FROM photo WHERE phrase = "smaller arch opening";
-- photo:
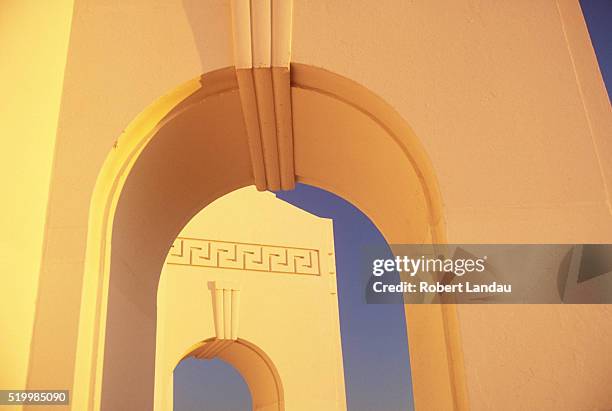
(236, 362)
(204, 385)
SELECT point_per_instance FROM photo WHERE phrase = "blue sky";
(598, 16)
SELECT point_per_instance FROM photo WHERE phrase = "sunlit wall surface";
(33, 47)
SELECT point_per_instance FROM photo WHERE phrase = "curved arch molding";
(344, 139)
(254, 366)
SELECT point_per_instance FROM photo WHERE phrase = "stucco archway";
(189, 148)
(254, 366)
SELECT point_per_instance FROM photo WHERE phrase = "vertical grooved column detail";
(267, 125)
(248, 100)
(226, 309)
(226, 306)
(284, 125)
(262, 52)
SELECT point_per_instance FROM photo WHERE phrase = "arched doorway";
(188, 149)
(204, 385)
(255, 368)
(252, 270)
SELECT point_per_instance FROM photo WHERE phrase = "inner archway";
(252, 365)
(189, 149)
(253, 279)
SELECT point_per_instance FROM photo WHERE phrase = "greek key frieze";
(243, 256)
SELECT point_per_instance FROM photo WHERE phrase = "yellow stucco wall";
(291, 316)
(33, 48)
